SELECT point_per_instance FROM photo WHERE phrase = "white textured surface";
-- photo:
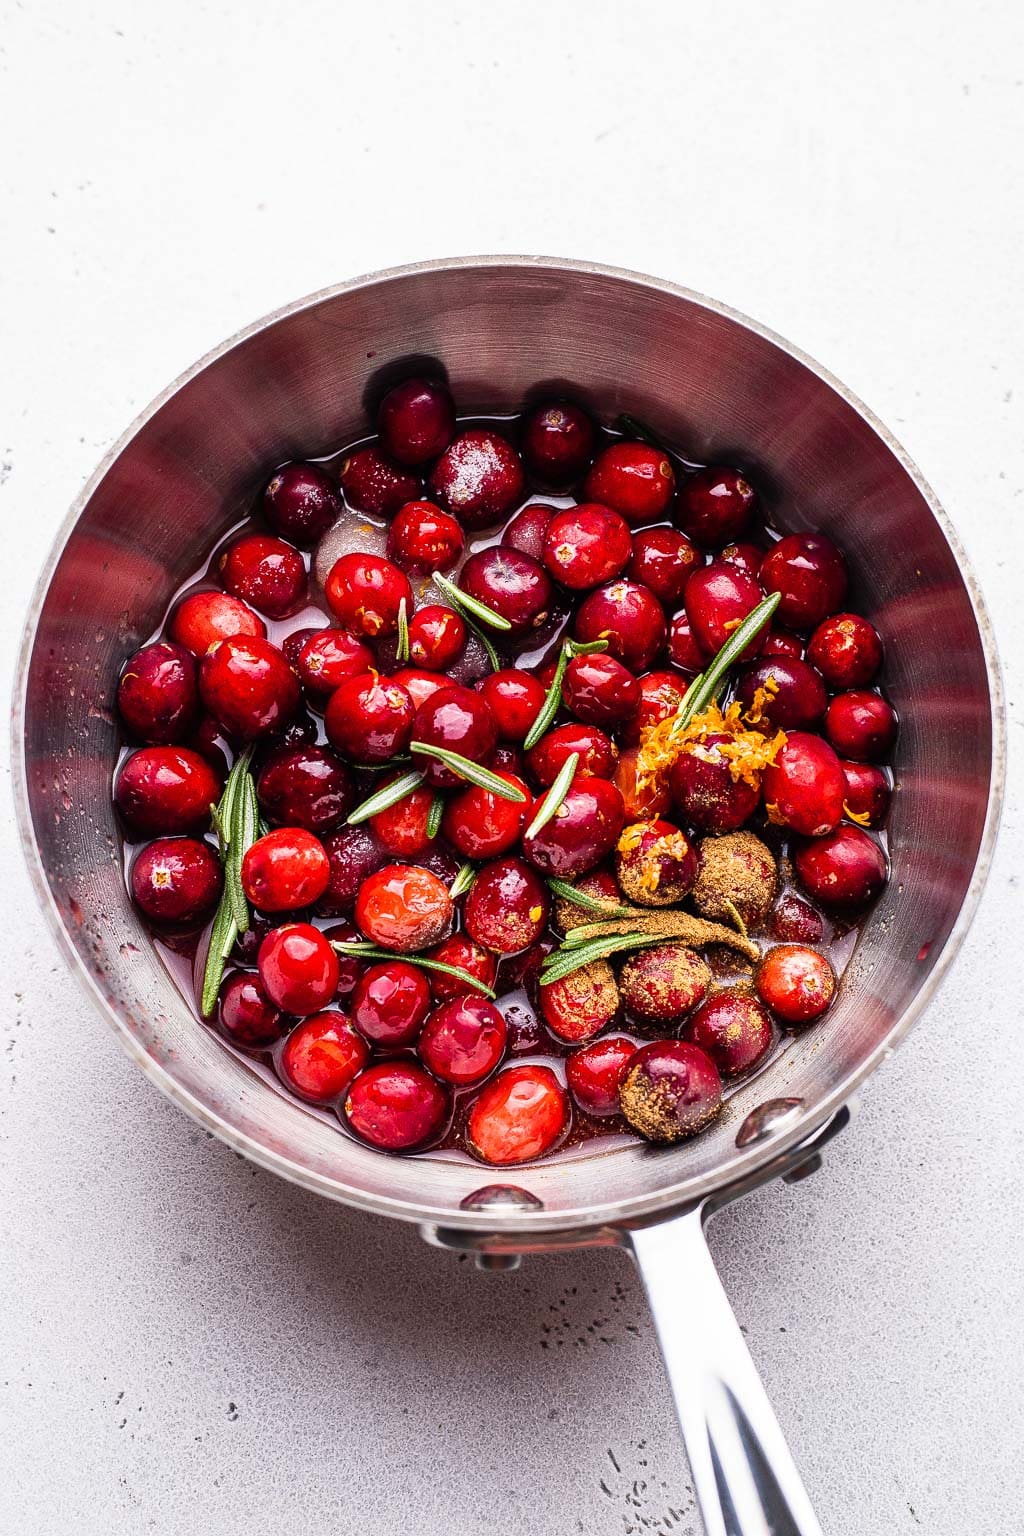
(187, 1345)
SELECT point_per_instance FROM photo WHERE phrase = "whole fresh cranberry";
(747, 556)
(390, 1003)
(861, 725)
(511, 584)
(795, 982)
(715, 506)
(595, 1071)
(404, 907)
(176, 880)
(671, 1089)
(600, 691)
(843, 871)
(248, 687)
(305, 787)
(354, 854)
(778, 643)
(518, 1116)
(374, 484)
(479, 478)
(868, 794)
(706, 792)
(203, 618)
(403, 828)
(596, 752)
(300, 503)
(418, 684)
(586, 545)
(246, 948)
(847, 651)
(165, 790)
(396, 1106)
(514, 698)
(416, 420)
(629, 617)
(423, 539)
(369, 718)
(210, 742)
(528, 529)
(327, 658)
(663, 559)
(718, 597)
(440, 861)
(480, 824)
(683, 650)
(266, 572)
(804, 787)
(582, 1004)
(284, 870)
(583, 831)
(457, 720)
(460, 952)
(463, 1041)
(507, 907)
(794, 920)
(656, 863)
(632, 478)
(794, 694)
(558, 442)
(436, 637)
(246, 1015)
(644, 796)
(661, 694)
(350, 967)
(322, 1056)
(810, 573)
(734, 1030)
(298, 968)
(158, 696)
(365, 592)
(294, 640)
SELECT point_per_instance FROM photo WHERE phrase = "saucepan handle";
(744, 1477)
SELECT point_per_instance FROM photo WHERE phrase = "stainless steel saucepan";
(718, 386)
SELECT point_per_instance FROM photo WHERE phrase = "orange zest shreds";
(674, 845)
(731, 624)
(747, 751)
(862, 818)
(773, 815)
(762, 694)
(632, 837)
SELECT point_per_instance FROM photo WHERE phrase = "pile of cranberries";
(343, 668)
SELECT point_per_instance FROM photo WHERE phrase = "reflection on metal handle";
(744, 1477)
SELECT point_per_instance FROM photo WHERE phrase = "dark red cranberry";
(284, 870)
(810, 573)
(327, 658)
(440, 861)
(656, 863)
(795, 982)
(396, 1106)
(629, 617)
(868, 794)
(861, 725)
(671, 1089)
(350, 967)
(661, 694)
(374, 484)
(246, 948)
(795, 921)
(715, 506)
(595, 1072)
(527, 530)
(596, 753)
(404, 907)
(847, 651)
(418, 684)
(513, 585)
(794, 694)
(586, 545)
(519, 1116)
(660, 985)
(662, 560)
(844, 871)
(718, 597)
(706, 792)
(459, 951)
(458, 720)
(301, 503)
(423, 539)
(582, 1004)
(203, 618)
(248, 687)
(804, 787)
(390, 1003)
(734, 1030)
(583, 831)
(158, 695)
(436, 637)
(747, 556)
(322, 1057)
(300, 731)
(558, 442)
(643, 796)
(266, 572)
(403, 828)
(683, 650)
(298, 968)
(306, 787)
(600, 691)
(293, 642)
(245, 1013)
(166, 790)
(369, 718)
(479, 478)
(365, 592)
(210, 742)
(480, 824)
(778, 643)
(514, 699)
(416, 420)
(463, 1041)
(507, 907)
(632, 478)
(176, 880)
(353, 854)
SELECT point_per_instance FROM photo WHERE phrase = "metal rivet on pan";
(766, 1120)
(492, 1196)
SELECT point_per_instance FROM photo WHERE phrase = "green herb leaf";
(384, 799)
(462, 882)
(704, 687)
(402, 650)
(589, 903)
(370, 952)
(236, 820)
(470, 607)
(434, 816)
(562, 962)
(472, 772)
(553, 697)
(552, 801)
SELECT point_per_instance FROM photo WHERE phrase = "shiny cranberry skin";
(300, 503)
(390, 1003)
(248, 687)
(715, 506)
(365, 592)
(353, 854)
(514, 699)
(717, 597)
(683, 650)
(586, 545)
(322, 1056)
(843, 871)
(632, 478)
(662, 559)
(810, 573)
(513, 585)
(747, 556)
(600, 691)
(463, 1041)
(327, 658)
(374, 484)
(305, 787)
(440, 861)
(301, 731)
(656, 863)
(403, 827)
(778, 643)
(519, 1116)
(795, 982)
(804, 787)
(209, 741)
(671, 1089)
(350, 967)
(641, 801)
(246, 948)
(460, 951)
(597, 754)
(558, 441)
(507, 907)
(203, 618)
(582, 1004)
(733, 1029)
(158, 696)
(396, 1106)
(661, 694)
(705, 792)
(284, 870)
(423, 539)
(404, 907)
(479, 478)
(298, 968)
(459, 720)
(166, 790)
(861, 726)
(868, 794)
(527, 530)
(436, 637)
(266, 572)
(480, 824)
(794, 692)
(583, 831)
(176, 879)
(594, 1073)
(416, 420)
(795, 921)
(246, 1015)
(629, 617)
(369, 718)
(418, 684)
(847, 651)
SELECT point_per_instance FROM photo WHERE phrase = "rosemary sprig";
(383, 799)
(549, 806)
(704, 687)
(434, 816)
(472, 772)
(562, 962)
(482, 636)
(470, 607)
(371, 952)
(462, 882)
(402, 649)
(236, 820)
(588, 903)
(553, 697)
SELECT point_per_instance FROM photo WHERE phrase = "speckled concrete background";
(187, 1345)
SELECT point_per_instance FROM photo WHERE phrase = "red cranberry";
(778, 643)
(733, 1029)
(804, 787)
(458, 720)
(418, 684)
(847, 651)
(715, 506)
(683, 650)
(508, 759)
(293, 642)
(642, 798)
(583, 831)
(350, 967)
(298, 968)
(203, 618)
(157, 696)
(440, 861)
(460, 951)
(671, 1089)
(844, 871)
(810, 573)
(322, 1056)
(285, 869)
(586, 545)
(246, 948)
(507, 907)
(705, 791)
(305, 787)
(632, 478)
(513, 585)
(248, 687)
(795, 982)
(718, 597)
(519, 1116)
(661, 694)
(595, 1071)
(867, 794)
(599, 691)
(403, 828)
(794, 920)
(246, 1015)
(656, 863)
(861, 725)
(301, 503)
(582, 1004)
(463, 1041)
(353, 854)
(209, 741)
(747, 556)
(404, 907)
(375, 485)
(662, 984)
(396, 1106)
(480, 824)
(328, 657)
(596, 751)
(629, 617)
(176, 880)
(527, 530)
(436, 637)
(514, 699)
(369, 718)
(416, 420)
(165, 790)
(662, 560)
(266, 572)
(479, 478)
(558, 442)
(390, 1003)
(366, 592)
(423, 539)
(794, 692)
